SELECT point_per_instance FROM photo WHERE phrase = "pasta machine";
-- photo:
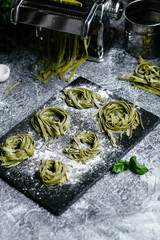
(91, 19)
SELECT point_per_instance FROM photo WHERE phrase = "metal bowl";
(142, 28)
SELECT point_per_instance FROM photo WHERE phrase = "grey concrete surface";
(118, 207)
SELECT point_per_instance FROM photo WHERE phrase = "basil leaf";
(120, 166)
(136, 167)
(133, 165)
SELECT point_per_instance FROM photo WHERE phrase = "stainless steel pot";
(142, 28)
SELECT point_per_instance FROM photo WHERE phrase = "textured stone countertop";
(118, 207)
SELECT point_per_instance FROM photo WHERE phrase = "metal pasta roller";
(91, 18)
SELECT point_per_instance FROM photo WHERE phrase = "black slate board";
(58, 198)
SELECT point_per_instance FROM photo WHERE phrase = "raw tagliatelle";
(70, 2)
(51, 122)
(81, 97)
(61, 53)
(118, 116)
(16, 149)
(84, 146)
(146, 77)
(52, 172)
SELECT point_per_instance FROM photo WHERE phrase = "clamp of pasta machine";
(90, 20)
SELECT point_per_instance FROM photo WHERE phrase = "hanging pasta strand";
(60, 54)
(41, 47)
(71, 2)
(71, 56)
(61, 41)
(79, 62)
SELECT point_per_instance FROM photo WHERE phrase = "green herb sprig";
(132, 165)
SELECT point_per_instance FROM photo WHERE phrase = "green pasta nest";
(16, 149)
(84, 146)
(51, 122)
(80, 97)
(146, 76)
(118, 116)
(52, 172)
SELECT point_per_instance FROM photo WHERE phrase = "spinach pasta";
(81, 97)
(118, 116)
(52, 172)
(146, 77)
(61, 53)
(84, 146)
(70, 2)
(16, 149)
(51, 122)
